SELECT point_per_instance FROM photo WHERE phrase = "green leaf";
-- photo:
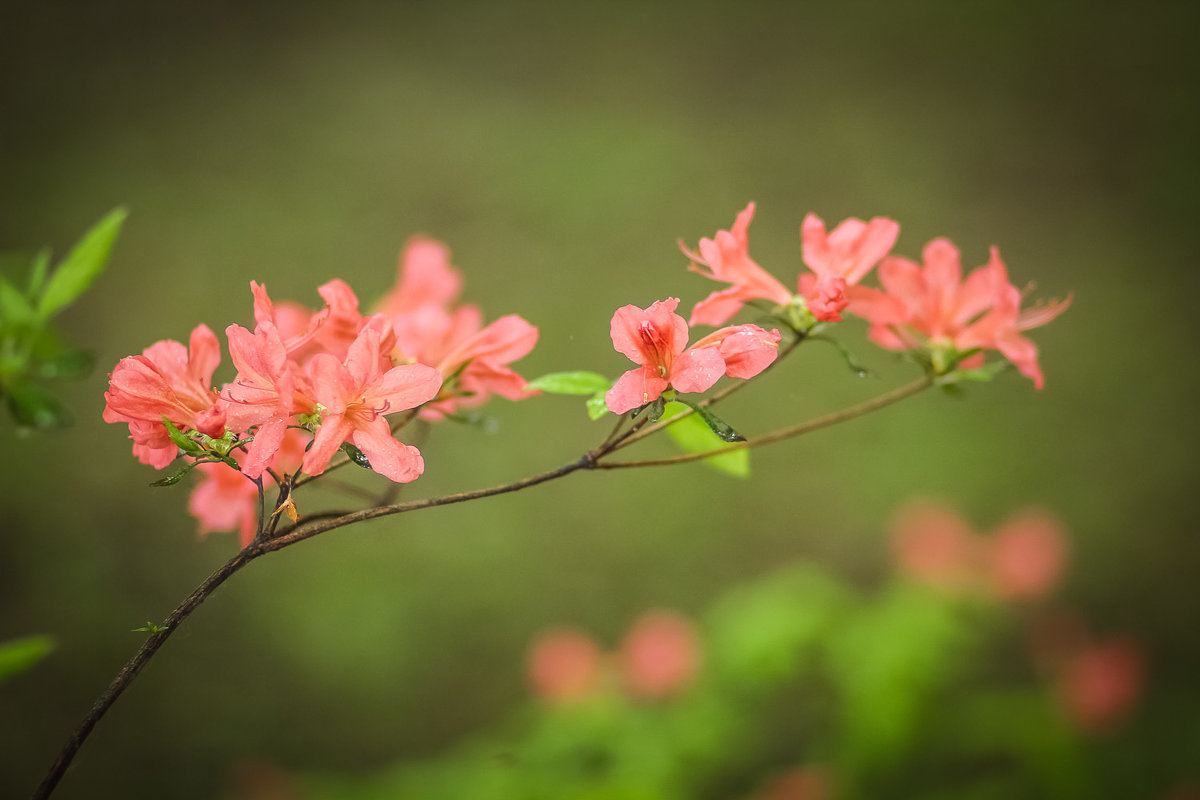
(978, 374)
(174, 477)
(181, 440)
(37, 273)
(571, 383)
(597, 406)
(19, 655)
(34, 407)
(82, 265)
(15, 308)
(356, 455)
(720, 427)
(851, 360)
(694, 435)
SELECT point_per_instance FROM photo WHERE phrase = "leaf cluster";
(32, 352)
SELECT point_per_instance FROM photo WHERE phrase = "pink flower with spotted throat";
(656, 339)
(355, 396)
(166, 380)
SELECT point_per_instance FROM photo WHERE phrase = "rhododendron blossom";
(564, 665)
(429, 329)
(932, 308)
(656, 339)
(660, 654)
(167, 380)
(354, 396)
(840, 259)
(728, 260)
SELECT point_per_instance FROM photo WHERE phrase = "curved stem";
(845, 414)
(269, 541)
(134, 666)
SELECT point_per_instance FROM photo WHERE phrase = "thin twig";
(269, 541)
(845, 414)
(131, 669)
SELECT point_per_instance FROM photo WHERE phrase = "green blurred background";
(560, 152)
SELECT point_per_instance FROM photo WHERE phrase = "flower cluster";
(658, 657)
(335, 373)
(928, 310)
(1023, 558)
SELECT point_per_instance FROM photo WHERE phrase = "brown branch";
(131, 669)
(323, 522)
(836, 417)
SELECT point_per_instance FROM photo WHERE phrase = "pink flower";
(656, 338)
(479, 361)
(728, 260)
(425, 278)
(931, 307)
(1100, 683)
(357, 394)
(564, 665)
(224, 500)
(839, 260)
(429, 330)
(746, 349)
(935, 546)
(1026, 555)
(166, 380)
(660, 654)
(263, 394)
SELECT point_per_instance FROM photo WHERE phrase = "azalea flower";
(746, 349)
(655, 338)
(840, 259)
(660, 654)
(930, 307)
(166, 380)
(354, 396)
(264, 392)
(728, 260)
(564, 665)
(429, 329)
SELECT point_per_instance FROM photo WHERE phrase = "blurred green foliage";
(31, 351)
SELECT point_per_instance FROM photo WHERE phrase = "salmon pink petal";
(224, 500)
(400, 462)
(406, 386)
(748, 350)
(507, 339)
(649, 336)
(204, 354)
(719, 307)
(333, 431)
(697, 370)
(483, 377)
(634, 389)
(874, 306)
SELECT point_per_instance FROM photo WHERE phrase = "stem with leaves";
(270, 538)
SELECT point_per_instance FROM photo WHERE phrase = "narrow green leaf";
(174, 477)
(82, 265)
(720, 427)
(978, 374)
(597, 407)
(189, 446)
(34, 407)
(15, 308)
(19, 655)
(693, 435)
(356, 455)
(571, 383)
(856, 366)
(37, 273)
